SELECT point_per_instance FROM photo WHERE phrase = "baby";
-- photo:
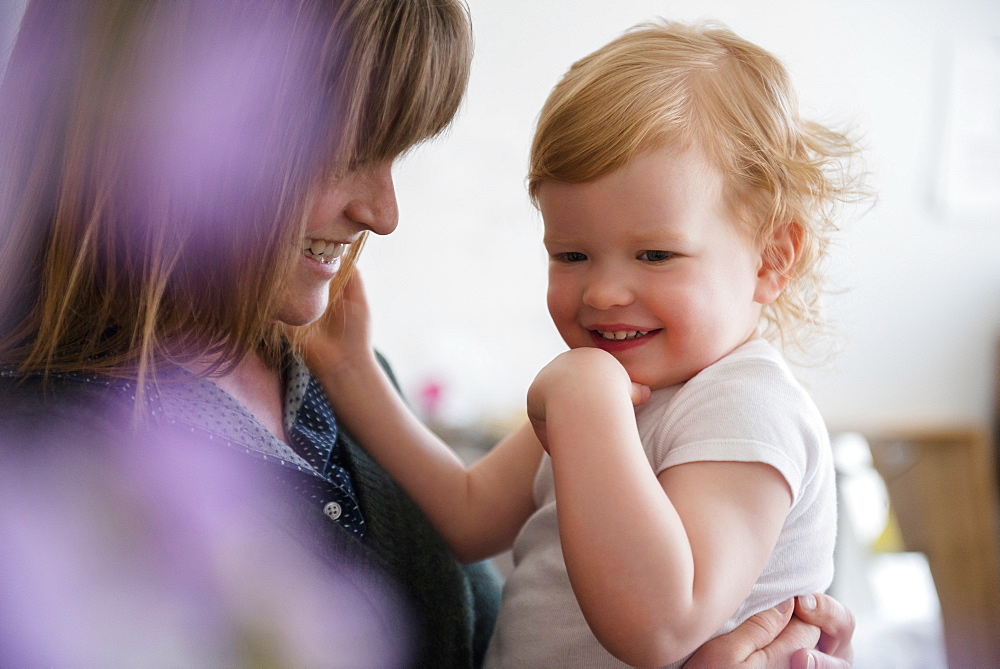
(686, 210)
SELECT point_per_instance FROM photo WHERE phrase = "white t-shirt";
(747, 407)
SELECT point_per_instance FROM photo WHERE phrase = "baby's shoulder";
(755, 372)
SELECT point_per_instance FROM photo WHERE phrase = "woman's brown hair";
(156, 160)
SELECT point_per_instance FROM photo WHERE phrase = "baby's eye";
(655, 256)
(569, 256)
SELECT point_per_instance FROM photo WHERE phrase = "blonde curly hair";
(665, 84)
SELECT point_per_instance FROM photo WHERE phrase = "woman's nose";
(374, 199)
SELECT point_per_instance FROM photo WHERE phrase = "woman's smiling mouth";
(322, 251)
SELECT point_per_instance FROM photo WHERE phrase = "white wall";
(458, 290)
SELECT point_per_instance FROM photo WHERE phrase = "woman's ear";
(778, 258)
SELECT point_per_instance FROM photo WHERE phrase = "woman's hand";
(343, 334)
(818, 636)
(594, 375)
(836, 625)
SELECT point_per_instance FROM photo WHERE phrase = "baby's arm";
(478, 511)
(656, 563)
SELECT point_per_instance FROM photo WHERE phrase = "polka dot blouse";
(200, 406)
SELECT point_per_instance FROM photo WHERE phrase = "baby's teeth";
(621, 334)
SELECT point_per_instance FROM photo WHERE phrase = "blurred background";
(458, 291)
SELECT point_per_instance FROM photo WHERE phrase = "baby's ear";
(777, 261)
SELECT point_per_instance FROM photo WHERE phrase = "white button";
(333, 510)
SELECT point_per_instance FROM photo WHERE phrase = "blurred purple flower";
(133, 556)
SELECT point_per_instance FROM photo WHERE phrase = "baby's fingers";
(640, 394)
(342, 332)
(347, 303)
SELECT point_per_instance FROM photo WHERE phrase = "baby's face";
(647, 263)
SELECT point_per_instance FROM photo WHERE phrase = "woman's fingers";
(836, 623)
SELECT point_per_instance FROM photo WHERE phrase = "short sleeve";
(745, 408)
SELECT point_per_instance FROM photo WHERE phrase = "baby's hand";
(581, 377)
(343, 333)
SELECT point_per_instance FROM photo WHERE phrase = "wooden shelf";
(942, 484)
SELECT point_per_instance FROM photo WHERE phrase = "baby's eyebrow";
(659, 238)
(554, 240)
(645, 240)
(656, 234)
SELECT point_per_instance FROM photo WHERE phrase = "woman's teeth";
(620, 335)
(322, 250)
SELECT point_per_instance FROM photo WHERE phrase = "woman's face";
(342, 209)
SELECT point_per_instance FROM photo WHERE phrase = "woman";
(185, 183)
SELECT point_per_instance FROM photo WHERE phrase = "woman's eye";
(655, 256)
(569, 256)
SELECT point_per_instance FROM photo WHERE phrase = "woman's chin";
(303, 311)
(307, 294)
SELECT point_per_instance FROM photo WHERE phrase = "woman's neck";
(257, 387)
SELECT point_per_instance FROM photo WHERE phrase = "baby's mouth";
(322, 250)
(621, 335)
